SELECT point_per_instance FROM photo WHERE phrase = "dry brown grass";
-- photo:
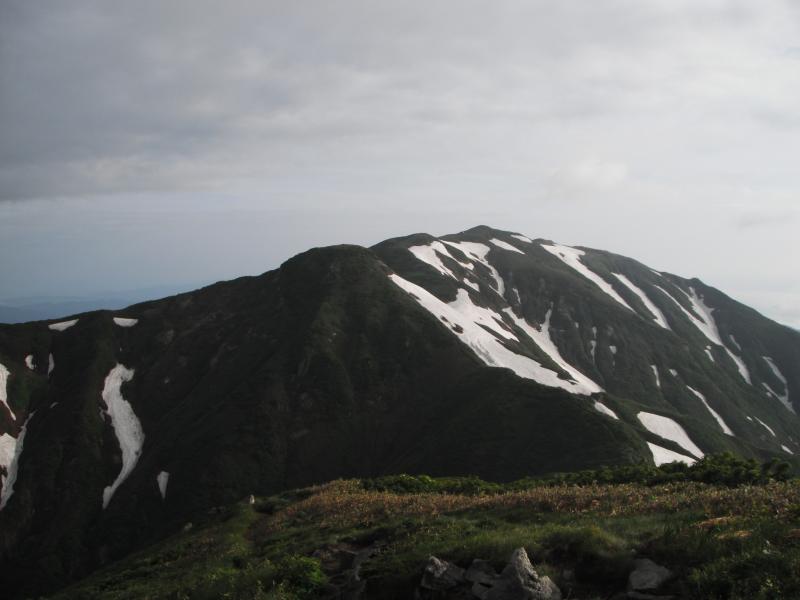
(346, 504)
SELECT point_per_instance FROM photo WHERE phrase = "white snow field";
(669, 430)
(655, 373)
(4, 373)
(429, 254)
(29, 362)
(541, 337)
(482, 341)
(125, 322)
(708, 326)
(602, 408)
(478, 252)
(658, 316)
(63, 325)
(125, 423)
(8, 449)
(784, 398)
(572, 258)
(12, 466)
(715, 414)
(162, 479)
(505, 246)
(663, 456)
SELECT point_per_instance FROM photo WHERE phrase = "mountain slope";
(340, 363)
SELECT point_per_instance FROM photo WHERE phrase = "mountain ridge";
(357, 362)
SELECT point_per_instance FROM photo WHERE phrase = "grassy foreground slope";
(737, 537)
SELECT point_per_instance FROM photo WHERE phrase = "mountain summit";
(484, 352)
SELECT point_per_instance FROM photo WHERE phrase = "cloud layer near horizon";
(665, 130)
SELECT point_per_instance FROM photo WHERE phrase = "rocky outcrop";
(518, 580)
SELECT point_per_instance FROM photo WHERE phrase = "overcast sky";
(172, 142)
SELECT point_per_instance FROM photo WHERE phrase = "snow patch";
(767, 427)
(593, 348)
(613, 350)
(429, 254)
(784, 398)
(710, 356)
(29, 362)
(658, 316)
(602, 408)
(734, 342)
(669, 430)
(522, 238)
(704, 321)
(505, 245)
(482, 341)
(4, 373)
(515, 291)
(478, 252)
(673, 372)
(162, 479)
(715, 414)
(471, 284)
(126, 425)
(572, 258)
(12, 465)
(63, 325)
(125, 322)
(51, 364)
(663, 456)
(541, 338)
(785, 449)
(655, 373)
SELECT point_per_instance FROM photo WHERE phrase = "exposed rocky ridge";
(327, 367)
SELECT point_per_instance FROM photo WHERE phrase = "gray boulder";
(441, 575)
(647, 575)
(519, 581)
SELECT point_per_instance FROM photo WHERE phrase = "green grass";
(720, 541)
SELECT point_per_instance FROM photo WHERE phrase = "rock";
(641, 596)
(647, 575)
(480, 590)
(519, 581)
(441, 575)
(480, 571)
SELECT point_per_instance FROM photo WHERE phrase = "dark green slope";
(321, 369)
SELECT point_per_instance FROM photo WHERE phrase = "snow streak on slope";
(572, 258)
(12, 466)
(125, 423)
(669, 430)
(708, 353)
(767, 427)
(602, 408)
(715, 414)
(522, 238)
(655, 372)
(784, 398)
(485, 345)
(162, 479)
(707, 325)
(63, 325)
(29, 362)
(785, 449)
(428, 254)
(476, 251)
(51, 364)
(123, 322)
(663, 456)
(505, 246)
(658, 316)
(4, 373)
(545, 342)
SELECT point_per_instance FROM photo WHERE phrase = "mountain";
(483, 352)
